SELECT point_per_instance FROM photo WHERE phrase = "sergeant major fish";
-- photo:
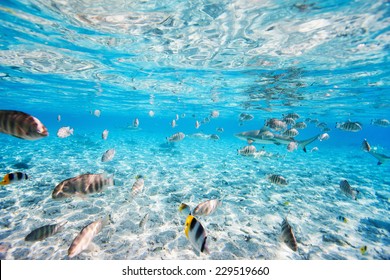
(349, 126)
(176, 137)
(348, 190)
(288, 235)
(108, 155)
(381, 122)
(206, 208)
(196, 234)
(277, 179)
(21, 125)
(84, 238)
(82, 185)
(249, 150)
(138, 185)
(44, 232)
(13, 177)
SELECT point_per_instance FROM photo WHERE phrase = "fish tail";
(306, 142)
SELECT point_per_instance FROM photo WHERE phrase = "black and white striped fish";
(85, 237)
(82, 185)
(13, 177)
(247, 150)
(348, 190)
(292, 132)
(143, 221)
(349, 126)
(288, 235)
(294, 116)
(108, 155)
(207, 207)
(277, 179)
(176, 137)
(300, 125)
(44, 232)
(196, 234)
(21, 125)
(138, 185)
(381, 122)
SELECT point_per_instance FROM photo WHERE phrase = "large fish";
(82, 185)
(348, 190)
(380, 157)
(196, 233)
(258, 137)
(288, 235)
(84, 238)
(44, 232)
(21, 125)
(206, 208)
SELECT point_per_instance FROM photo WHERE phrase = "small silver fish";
(197, 124)
(64, 132)
(220, 129)
(151, 114)
(44, 232)
(245, 117)
(292, 146)
(143, 221)
(214, 114)
(348, 190)
(288, 235)
(323, 137)
(97, 113)
(300, 125)
(277, 179)
(85, 237)
(381, 122)
(173, 123)
(105, 134)
(249, 150)
(108, 155)
(206, 208)
(136, 123)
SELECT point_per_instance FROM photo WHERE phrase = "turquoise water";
(325, 60)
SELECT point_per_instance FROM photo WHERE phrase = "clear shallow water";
(326, 60)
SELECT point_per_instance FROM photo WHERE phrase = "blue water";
(325, 60)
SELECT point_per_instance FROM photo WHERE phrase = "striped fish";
(85, 237)
(21, 125)
(138, 185)
(348, 190)
(288, 235)
(300, 125)
(381, 122)
(277, 179)
(247, 150)
(292, 132)
(342, 219)
(196, 234)
(206, 208)
(176, 137)
(184, 209)
(143, 221)
(108, 155)
(13, 177)
(289, 121)
(82, 185)
(349, 126)
(294, 116)
(276, 124)
(44, 232)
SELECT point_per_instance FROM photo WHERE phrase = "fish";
(143, 221)
(323, 137)
(177, 117)
(276, 124)
(300, 125)
(44, 232)
(220, 129)
(21, 125)
(176, 137)
(350, 126)
(314, 149)
(184, 209)
(197, 124)
(97, 113)
(261, 137)
(59, 118)
(245, 117)
(136, 123)
(382, 158)
(214, 137)
(289, 121)
(292, 132)
(294, 116)
(82, 185)
(84, 238)
(207, 207)
(105, 134)
(381, 122)
(151, 114)
(173, 123)
(108, 155)
(64, 132)
(196, 234)
(214, 114)
(138, 185)
(247, 150)
(292, 146)
(13, 177)
(342, 219)
(183, 115)
(277, 179)
(363, 250)
(288, 235)
(348, 190)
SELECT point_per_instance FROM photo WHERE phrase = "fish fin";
(379, 163)
(92, 247)
(306, 142)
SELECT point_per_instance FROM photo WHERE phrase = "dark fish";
(44, 232)
(278, 180)
(348, 190)
(288, 236)
(21, 125)
(13, 177)
(349, 126)
(82, 185)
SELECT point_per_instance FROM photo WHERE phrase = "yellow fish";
(196, 233)
(363, 250)
(13, 177)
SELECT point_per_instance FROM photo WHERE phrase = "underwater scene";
(202, 129)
